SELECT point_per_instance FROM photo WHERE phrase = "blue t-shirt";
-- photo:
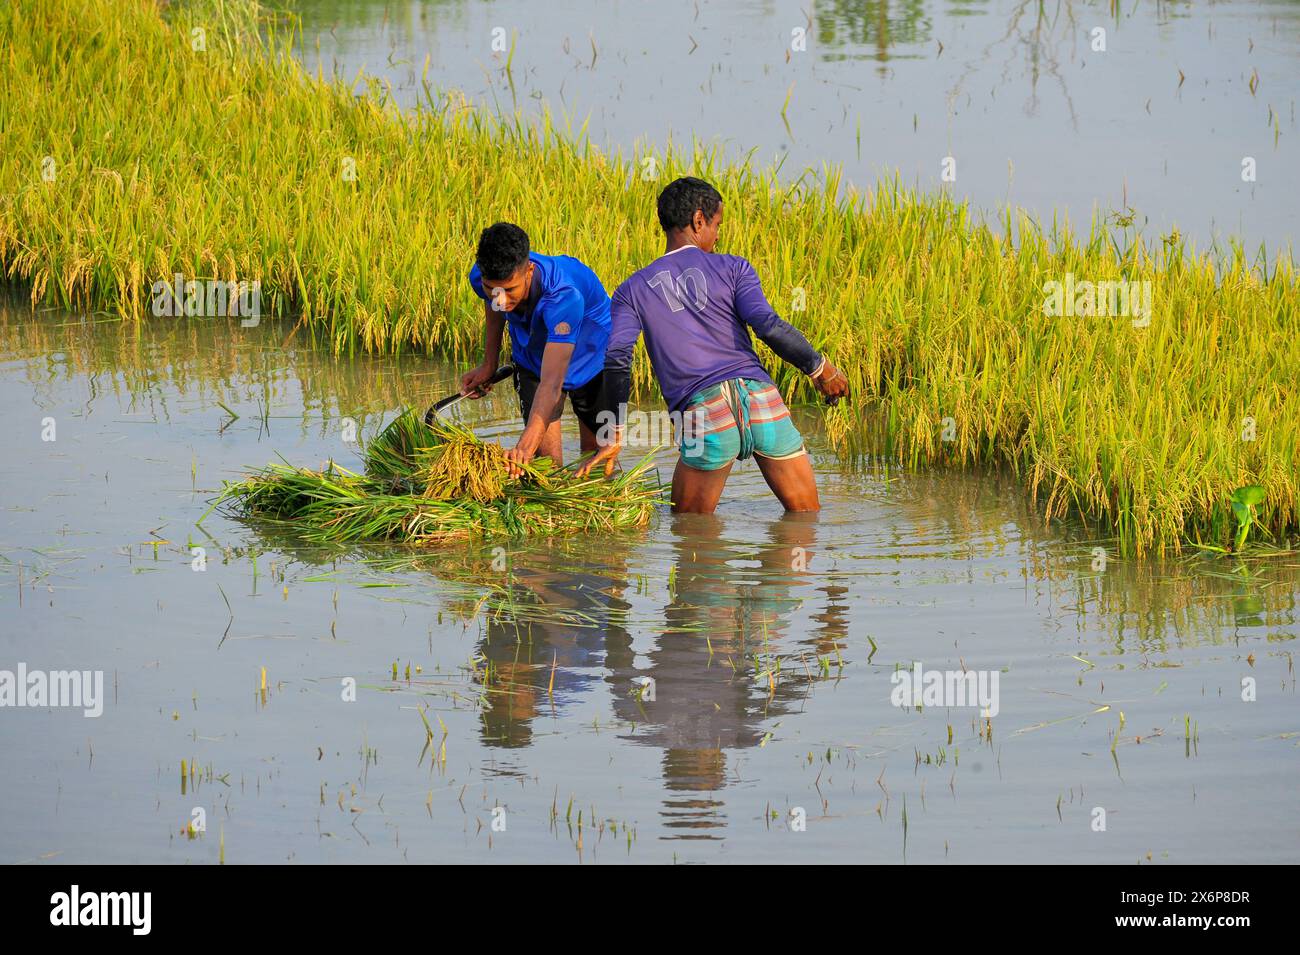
(573, 308)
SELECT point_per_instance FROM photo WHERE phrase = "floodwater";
(767, 734)
(1020, 96)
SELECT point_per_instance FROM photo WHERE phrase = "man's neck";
(678, 240)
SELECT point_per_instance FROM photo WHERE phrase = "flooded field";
(1147, 123)
(709, 689)
(925, 671)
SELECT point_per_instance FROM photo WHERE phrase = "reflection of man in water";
(731, 599)
(708, 695)
(524, 649)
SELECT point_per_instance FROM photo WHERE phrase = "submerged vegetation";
(135, 152)
(434, 484)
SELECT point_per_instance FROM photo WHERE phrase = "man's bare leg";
(697, 492)
(587, 437)
(791, 480)
(552, 446)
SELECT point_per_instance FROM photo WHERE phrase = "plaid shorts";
(734, 419)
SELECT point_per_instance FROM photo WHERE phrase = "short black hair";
(682, 197)
(502, 250)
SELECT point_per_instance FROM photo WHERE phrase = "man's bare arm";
(474, 381)
(548, 403)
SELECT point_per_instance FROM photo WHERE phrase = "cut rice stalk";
(432, 484)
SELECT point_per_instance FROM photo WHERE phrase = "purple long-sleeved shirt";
(696, 310)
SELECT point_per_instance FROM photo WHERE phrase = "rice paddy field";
(1098, 512)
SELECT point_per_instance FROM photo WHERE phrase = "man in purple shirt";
(696, 310)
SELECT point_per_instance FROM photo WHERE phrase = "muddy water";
(767, 734)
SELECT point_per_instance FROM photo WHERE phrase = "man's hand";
(477, 381)
(607, 456)
(518, 456)
(831, 382)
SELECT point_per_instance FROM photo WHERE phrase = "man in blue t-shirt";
(696, 310)
(558, 315)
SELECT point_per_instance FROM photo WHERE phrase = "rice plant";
(132, 156)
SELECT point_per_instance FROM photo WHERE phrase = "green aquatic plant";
(1244, 502)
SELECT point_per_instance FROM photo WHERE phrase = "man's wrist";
(529, 440)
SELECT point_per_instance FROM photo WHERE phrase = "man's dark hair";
(682, 197)
(502, 250)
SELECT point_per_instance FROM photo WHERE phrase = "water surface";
(1155, 127)
(770, 640)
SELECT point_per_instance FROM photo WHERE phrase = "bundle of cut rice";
(430, 484)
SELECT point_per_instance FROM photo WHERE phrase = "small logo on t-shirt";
(562, 328)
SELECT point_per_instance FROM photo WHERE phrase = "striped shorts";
(733, 420)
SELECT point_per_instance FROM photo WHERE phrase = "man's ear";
(699, 220)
